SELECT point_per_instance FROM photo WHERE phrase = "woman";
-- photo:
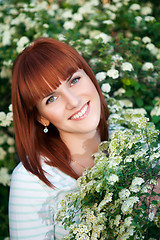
(60, 118)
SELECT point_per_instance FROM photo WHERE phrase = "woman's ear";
(43, 120)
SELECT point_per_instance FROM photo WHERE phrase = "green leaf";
(139, 102)
(156, 119)
(137, 86)
(126, 81)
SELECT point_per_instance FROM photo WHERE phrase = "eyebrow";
(54, 92)
(70, 77)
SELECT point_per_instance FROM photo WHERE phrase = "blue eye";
(74, 80)
(51, 99)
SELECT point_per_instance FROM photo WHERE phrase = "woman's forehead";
(48, 85)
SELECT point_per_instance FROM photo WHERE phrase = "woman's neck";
(82, 147)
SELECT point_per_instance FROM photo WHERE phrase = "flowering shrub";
(118, 197)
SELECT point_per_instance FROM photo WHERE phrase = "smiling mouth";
(82, 113)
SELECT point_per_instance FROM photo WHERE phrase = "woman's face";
(74, 107)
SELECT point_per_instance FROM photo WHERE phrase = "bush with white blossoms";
(118, 198)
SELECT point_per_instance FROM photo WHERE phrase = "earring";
(45, 130)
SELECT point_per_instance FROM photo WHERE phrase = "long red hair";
(36, 72)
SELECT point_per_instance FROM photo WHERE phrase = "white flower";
(146, 10)
(154, 182)
(45, 25)
(152, 48)
(134, 42)
(9, 116)
(67, 14)
(2, 153)
(93, 61)
(128, 221)
(112, 179)
(5, 123)
(111, 7)
(94, 33)
(2, 116)
(119, 4)
(127, 205)
(61, 37)
(69, 25)
(151, 216)
(2, 140)
(6, 238)
(86, 9)
(112, 15)
(108, 22)
(149, 18)
(155, 111)
(41, 6)
(117, 57)
(137, 181)
(101, 76)
(10, 141)
(141, 111)
(147, 66)
(126, 103)
(158, 53)
(138, 19)
(21, 43)
(119, 92)
(11, 149)
(135, 7)
(105, 37)
(145, 189)
(4, 176)
(5, 72)
(93, 23)
(77, 17)
(128, 158)
(106, 87)
(113, 73)
(134, 188)
(52, 8)
(87, 41)
(116, 1)
(126, 66)
(13, 11)
(146, 39)
(124, 193)
(10, 107)
(6, 38)
(117, 220)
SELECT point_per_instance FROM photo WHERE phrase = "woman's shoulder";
(59, 179)
(23, 179)
(20, 170)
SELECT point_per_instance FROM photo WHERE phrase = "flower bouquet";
(119, 197)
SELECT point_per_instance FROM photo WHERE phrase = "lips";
(83, 112)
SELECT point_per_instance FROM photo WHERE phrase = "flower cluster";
(116, 198)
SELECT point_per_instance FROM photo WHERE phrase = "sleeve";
(30, 214)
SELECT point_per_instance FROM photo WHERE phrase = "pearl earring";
(45, 130)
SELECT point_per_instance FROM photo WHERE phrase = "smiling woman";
(60, 118)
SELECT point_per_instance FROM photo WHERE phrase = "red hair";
(36, 72)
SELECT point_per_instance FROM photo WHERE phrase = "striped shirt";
(33, 205)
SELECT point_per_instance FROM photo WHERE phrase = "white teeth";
(81, 113)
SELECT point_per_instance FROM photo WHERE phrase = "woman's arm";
(30, 214)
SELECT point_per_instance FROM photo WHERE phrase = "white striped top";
(33, 205)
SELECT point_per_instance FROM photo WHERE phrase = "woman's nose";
(72, 100)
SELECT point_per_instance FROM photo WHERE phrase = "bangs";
(42, 70)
